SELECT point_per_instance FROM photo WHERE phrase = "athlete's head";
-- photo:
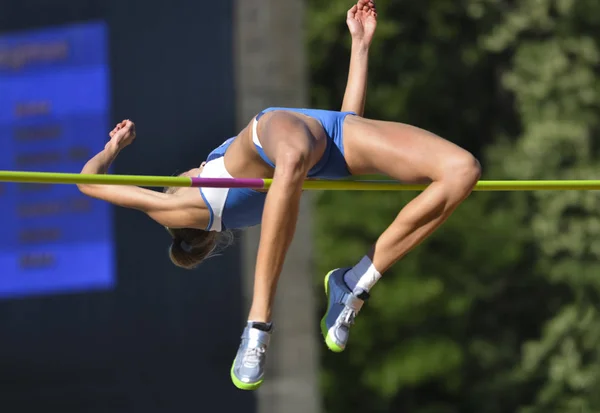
(191, 246)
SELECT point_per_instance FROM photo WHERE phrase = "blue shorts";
(236, 208)
(332, 164)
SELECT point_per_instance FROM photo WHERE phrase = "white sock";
(363, 275)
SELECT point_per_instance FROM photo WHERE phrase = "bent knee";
(291, 164)
(462, 171)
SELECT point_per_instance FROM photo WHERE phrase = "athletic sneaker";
(247, 370)
(343, 306)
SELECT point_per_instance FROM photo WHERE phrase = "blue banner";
(54, 115)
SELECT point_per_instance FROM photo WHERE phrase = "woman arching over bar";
(290, 145)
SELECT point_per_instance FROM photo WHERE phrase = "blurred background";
(498, 312)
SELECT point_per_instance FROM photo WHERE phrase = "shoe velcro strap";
(352, 301)
(258, 336)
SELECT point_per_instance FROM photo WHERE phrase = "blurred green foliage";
(498, 311)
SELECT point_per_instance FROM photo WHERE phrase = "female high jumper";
(290, 145)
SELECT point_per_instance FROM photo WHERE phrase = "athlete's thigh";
(284, 131)
(401, 151)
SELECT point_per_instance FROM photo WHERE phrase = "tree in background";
(444, 330)
(554, 78)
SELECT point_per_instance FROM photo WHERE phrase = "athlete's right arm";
(362, 22)
(165, 209)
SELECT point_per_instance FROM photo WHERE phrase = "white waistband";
(255, 133)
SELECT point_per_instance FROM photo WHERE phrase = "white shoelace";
(254, 355)
(347, 317)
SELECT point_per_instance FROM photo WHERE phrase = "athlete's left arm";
(170, 211)
(362, 22)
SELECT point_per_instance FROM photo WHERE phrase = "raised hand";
(122, 135)
(362, 21)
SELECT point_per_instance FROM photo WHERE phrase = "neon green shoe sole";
(331, 345)
(240, 384)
